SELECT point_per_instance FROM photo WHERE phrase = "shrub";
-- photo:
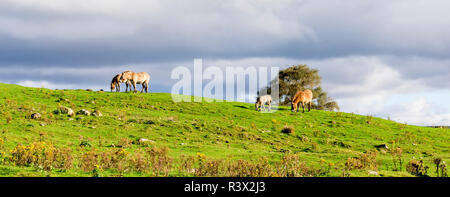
(89, 160)
(8, 117)
(124, 143)
(160, 162)
(208, 168)
(440, 165)
(417, 168)
(314, 146)
(138, 162)
(41, 155)
(187, 164)
(2, 152)
(288, 130)
(291, 166)
(115, 159)
(397, 158)
(243, 168)
(366, 160)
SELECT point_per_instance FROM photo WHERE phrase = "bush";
(41, 155)
(417, 168)
(160, 162)
(243, 168)
(366, 160)
(288, 130)
(441, 167)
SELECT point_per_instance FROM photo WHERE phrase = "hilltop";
(325, 143)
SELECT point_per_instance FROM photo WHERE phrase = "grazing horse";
(133, 78)
(303, 97)
(115, 83)
(261, 101)
(124, 80)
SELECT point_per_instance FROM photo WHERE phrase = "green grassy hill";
(200, 139)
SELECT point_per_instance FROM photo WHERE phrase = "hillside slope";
(229, 131)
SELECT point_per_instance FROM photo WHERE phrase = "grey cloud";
(174, 30)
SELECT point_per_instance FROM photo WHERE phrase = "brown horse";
(303, 97)
(133, 78)
(115, 83)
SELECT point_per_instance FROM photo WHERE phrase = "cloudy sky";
(385, 58)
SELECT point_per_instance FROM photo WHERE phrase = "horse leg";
(303, 106)
(146, 87)
(128, 85)
(134, 87)
(309, 107)
(143, 86)
(270, 105)
(298, 106)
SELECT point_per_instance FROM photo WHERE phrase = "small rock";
(84, 112)
(70, 119)
(373, 173)
(91, 127)
(66, 110)
(89, 90)
(143, 141)
(304, 138)
(149, 122)
(36, 116)
(382, 146)
(42, 124)
(85, 143)
(64, 99)
(97, 113)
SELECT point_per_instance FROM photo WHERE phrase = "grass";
(333, 142)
